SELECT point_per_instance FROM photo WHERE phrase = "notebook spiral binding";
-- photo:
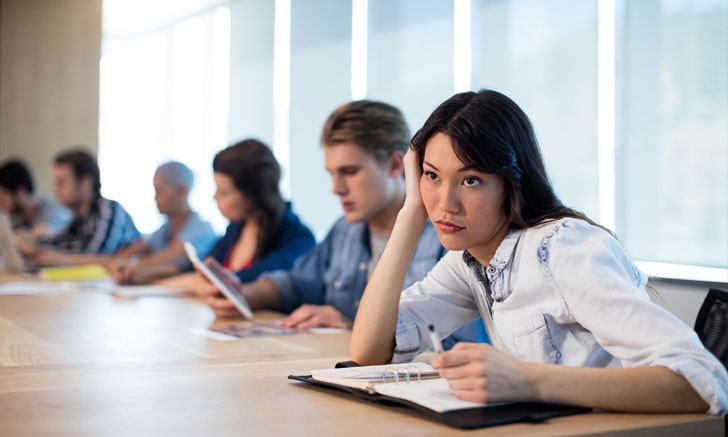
(405, 373)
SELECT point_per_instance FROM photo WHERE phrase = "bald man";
(162, 254)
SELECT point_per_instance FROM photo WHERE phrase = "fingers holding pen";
(482, 373)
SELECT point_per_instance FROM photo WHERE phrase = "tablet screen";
(229, 290)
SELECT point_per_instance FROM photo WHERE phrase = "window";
(543, 55)
(629, 100)
(672, 132)
(164, 94)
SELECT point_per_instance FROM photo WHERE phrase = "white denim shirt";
(563, 292)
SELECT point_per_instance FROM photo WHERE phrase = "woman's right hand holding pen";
(481, 373)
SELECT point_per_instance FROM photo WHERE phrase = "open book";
(418, 386)
(414, 382)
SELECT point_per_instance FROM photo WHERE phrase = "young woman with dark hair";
(264, 234)
(565, 308)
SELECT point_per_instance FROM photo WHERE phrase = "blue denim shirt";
(335, 272)
(292, 239)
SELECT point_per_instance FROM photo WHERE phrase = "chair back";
(711, 324)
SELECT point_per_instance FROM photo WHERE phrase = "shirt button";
(337, 284)
(491, 270)
(363, 266)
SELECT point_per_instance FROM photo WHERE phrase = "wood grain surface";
(89, 363)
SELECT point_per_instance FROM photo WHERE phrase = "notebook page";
(434, 394)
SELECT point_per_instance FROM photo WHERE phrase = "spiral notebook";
(418, 386)
(415, 382)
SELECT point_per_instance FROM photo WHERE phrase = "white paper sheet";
(132, 291)
(35, 288)
(434, 394)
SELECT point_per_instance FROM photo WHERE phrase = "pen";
(436, 343)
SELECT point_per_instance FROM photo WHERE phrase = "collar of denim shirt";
(494, 271)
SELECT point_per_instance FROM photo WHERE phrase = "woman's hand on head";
(481, 373)
(413, 174)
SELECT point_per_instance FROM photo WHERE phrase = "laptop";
(10, 259)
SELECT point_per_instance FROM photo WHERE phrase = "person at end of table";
(32, 216)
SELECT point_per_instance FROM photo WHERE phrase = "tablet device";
(230, 292)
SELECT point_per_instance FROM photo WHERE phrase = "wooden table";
(86, 363)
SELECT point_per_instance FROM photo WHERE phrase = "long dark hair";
(256, 173)
(490, 133)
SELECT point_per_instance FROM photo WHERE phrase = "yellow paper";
(74, 273)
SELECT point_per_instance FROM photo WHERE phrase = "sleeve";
(610, 302)
(200, 234)
(156, 240)
(305, 281)
(298, 242)
(443, 298)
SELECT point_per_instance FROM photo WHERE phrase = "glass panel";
(164, 96)
(320, 81)
(410, 56)
(672, 131)
(543, 55)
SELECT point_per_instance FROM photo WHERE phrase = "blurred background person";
(99, 227)
(162, 254)
(32, 216)
(264, 234)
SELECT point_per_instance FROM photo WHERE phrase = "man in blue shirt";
(364, 146)
(162, 254)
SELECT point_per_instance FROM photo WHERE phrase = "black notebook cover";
(469, 418)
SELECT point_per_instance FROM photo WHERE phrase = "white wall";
(251, 70)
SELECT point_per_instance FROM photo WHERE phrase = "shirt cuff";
(407, 341)
(712, 389)
(290, 299)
